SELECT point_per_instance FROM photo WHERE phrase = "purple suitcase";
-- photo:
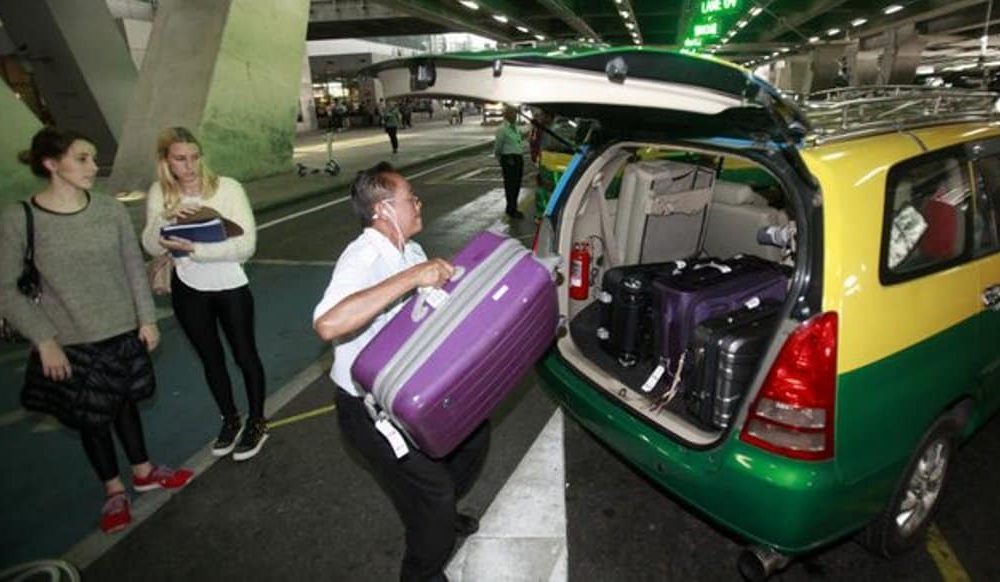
(706, 290)
(438, 373)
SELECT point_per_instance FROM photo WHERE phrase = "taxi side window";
(928, 207)
(987, 220)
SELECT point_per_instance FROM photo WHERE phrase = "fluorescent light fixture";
(785, 49)
(833, 32)
(629, 25)
(522, 29)
(892, 9)
(500, 18)
(562, 47)
(755, 11)
(469, 4)
(618, 1)
(539, 37)
(814, 39)
(858, 21)
(925, 69)
(774, 54)
(741, 24)
(624, 13)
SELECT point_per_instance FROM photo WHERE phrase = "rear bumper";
(793, 506)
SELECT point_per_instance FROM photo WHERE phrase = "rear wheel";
(904, 521)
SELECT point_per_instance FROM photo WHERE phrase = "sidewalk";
(356, 149)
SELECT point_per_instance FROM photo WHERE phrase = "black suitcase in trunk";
(626, 319)
(727, 352)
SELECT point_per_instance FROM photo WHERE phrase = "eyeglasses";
(417, 203)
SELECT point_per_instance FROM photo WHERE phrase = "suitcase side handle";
(433, 297)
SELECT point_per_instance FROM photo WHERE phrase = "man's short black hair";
(371, 187)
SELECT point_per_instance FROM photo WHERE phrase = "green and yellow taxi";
(887, 353)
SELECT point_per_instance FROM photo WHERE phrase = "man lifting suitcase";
(372, 277)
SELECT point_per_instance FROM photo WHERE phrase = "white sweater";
(212, 266)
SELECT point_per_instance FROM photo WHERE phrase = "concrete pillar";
(228, 69)
(901, 55)
(19, 125)
(827, 62)
(306, 119)
(80, 63)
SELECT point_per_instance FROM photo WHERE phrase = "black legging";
(100, 448)
(512, 167)
(200, 314)
(392, 138)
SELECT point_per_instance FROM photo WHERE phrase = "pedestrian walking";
(380, 268)
(85, 305)
(392, 121)
(508, 147)
(209, 288)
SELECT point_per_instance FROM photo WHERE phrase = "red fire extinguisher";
(579, 271)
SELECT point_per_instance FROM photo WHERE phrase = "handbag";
(105, 375)
(158, 270)
(29, 282)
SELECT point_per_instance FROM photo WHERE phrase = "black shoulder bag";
(29, 283)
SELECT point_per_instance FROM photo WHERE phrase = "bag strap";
(29, 219)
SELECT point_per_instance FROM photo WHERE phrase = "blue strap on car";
(564, 179)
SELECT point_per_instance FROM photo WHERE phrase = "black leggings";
(200, 314)
(100, 448)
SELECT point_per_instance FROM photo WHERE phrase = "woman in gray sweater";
(93, 324)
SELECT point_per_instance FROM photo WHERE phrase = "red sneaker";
(115, 514)
(162, 477)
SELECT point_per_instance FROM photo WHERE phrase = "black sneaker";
(254, 435)
(231, 430)
(465, 525)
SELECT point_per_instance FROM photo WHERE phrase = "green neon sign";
(719, 6)
(706, 29)
(692, 43)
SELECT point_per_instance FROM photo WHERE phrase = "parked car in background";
(789, 317)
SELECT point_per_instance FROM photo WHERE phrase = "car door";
(985, 161)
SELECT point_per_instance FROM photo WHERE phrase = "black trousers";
(512, 166)
(100, 448)
(424, 491)
(392, 138)
(201, 314)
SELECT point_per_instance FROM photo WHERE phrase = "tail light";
(793, 413)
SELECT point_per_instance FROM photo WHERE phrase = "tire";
(904, 521)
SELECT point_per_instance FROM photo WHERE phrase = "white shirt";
(367, 261)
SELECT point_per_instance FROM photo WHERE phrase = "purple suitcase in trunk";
(439, 372)
(707, 290)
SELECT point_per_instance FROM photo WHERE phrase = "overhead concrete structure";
(229, 70)
(80, 63)
(19, 125)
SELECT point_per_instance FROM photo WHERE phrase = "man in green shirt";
(509, 150)
(392, 121)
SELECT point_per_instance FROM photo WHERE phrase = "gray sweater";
(94, 282)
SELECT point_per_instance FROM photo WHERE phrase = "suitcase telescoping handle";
(433, 297)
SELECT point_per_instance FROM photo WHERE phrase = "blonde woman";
(209, 288)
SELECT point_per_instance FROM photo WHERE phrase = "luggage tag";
(654, 378)
(385, 427)
(432, 296)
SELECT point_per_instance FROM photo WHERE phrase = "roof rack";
(855, 111)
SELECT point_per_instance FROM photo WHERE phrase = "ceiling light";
(774, 54)
(741, 24)
(858, 21)
(624, 13)
(833, 32)
(755, 11)
(629, 25)
(618, 1)
(522, 29)
(539, 37)
(814, 39)
(500, 18)
(785, 49)
(469, 4)
(562, 47)
(892, 9)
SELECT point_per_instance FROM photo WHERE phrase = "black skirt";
(105, 374)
